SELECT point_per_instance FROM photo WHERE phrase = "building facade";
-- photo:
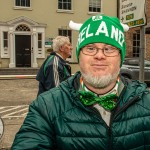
(27, 27)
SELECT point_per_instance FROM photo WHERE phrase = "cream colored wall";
(46, 12)
(37, 11)
(110, 7)
(74, 68)
(4, 63)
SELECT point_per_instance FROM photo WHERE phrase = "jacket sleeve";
(53, 73)
(37, 131)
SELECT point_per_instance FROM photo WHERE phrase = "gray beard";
(100, 81)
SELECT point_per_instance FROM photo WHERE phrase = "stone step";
(18, 71)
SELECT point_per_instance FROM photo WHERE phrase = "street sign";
(48, 44)
(132, 12)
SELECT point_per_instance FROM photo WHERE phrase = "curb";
(17, 77)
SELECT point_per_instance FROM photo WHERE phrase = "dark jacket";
(58, 120)
(53, 71)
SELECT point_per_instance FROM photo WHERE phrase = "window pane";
(28, 3)
(59, 4)
(134, 36)
(69, 6)
(5, 39)
(17, 2)
(136, 44)
(5, 43)
(5, 35)
(39, 44)
(98, 9)
(138, 36)
(22, 2)
(63, 32)
(39, 36)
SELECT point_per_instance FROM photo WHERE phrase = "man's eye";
(108, 49)
(90, 48)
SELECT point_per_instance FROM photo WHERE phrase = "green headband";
(102, 29)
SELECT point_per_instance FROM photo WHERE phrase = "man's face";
(100, 69)
(67, 49)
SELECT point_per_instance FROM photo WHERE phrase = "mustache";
(100, 81)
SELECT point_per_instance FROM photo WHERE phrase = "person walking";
(55, 69)
(95, 109)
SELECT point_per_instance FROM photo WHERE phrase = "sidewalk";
(17, 77)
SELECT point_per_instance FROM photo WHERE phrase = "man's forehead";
(98, 44)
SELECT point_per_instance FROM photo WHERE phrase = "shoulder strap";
(47, 64)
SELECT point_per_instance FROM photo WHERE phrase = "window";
(65, 32)
(22, 3)
(64, 4)
(22, 27)
(94, 5)
(136, 44)
(5, 39)
(39, 52)
(5, 44)
(39, 40)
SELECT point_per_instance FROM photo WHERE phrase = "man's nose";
(100, 53)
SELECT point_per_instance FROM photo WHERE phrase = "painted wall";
(46, 12)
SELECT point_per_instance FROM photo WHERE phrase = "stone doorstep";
(18, 71)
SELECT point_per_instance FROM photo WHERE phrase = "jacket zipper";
(108, 127)
(126, 105)
(109, 142)
(115, 114)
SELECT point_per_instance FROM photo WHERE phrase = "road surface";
(15, 97)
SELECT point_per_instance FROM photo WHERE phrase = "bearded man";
(96, 109)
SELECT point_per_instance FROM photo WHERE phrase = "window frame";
(65, 4)
(39, 41)
(5, 48)
(5, 40)
(21, 6)
(136, 44)
(66, 32)
(95, 6)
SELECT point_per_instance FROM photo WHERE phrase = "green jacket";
(58, 120)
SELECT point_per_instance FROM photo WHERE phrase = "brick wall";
(147, 36)
(147, 49)
(148, 10)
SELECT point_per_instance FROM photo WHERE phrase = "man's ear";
(62, 48)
